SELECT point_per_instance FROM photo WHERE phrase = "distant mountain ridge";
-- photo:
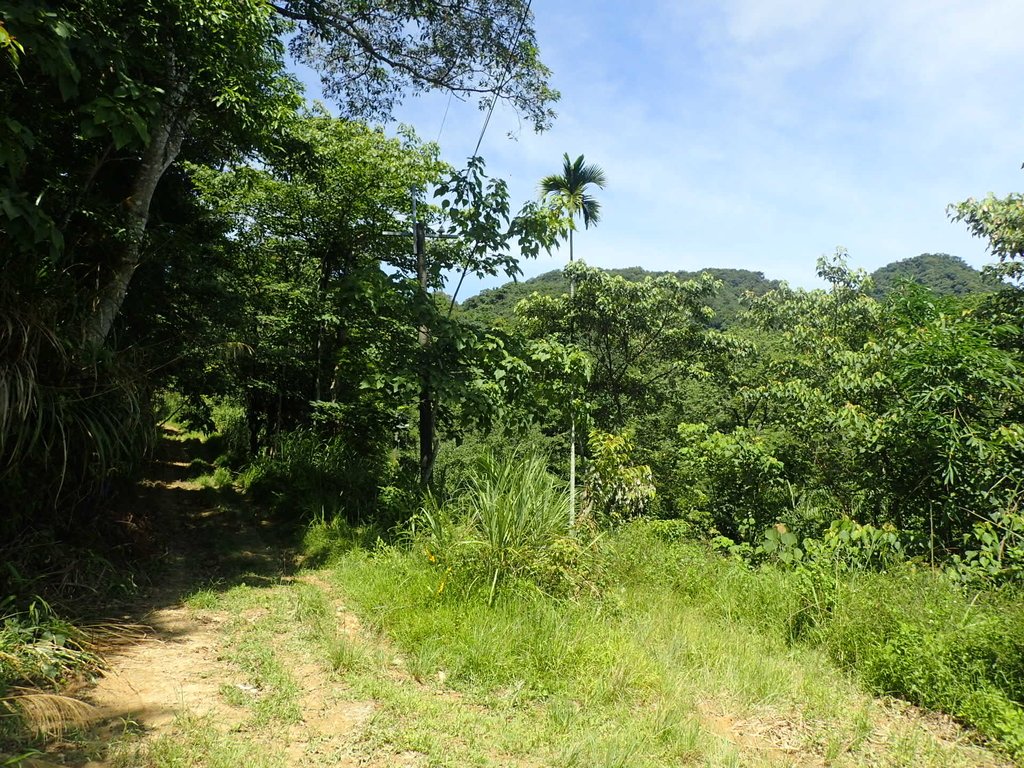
(941, 272)
(499, 303)
(946, 275)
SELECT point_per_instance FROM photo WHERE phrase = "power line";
(487, 120)
(503, 83)
(483, 130)
(444, 118)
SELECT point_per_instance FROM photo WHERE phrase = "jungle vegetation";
(183, 236)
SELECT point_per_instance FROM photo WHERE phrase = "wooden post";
(426, 398)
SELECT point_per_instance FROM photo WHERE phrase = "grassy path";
(251, 662)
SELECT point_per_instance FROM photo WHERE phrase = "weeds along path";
(248, 662)
(232, 658)
(201, 681)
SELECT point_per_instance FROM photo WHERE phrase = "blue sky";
(761, 134)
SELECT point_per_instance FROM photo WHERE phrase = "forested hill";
(941, 272)
(500, 302)
(944, 274)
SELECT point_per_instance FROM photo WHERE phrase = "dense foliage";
(179, 230)
(172, 215)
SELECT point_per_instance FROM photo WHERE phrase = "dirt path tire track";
(177, 665)
(175, 662)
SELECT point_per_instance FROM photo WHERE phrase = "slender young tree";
(568, 191)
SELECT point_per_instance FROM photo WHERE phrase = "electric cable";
(443, 119)
(508, 76)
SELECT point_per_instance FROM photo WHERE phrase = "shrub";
(509, 524)
(305, 474)
(993, 550)
(616, 489)
(734, 479)
(232, 439)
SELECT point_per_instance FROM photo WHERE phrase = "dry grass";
(48, 715)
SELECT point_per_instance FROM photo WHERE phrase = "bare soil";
(176, 664)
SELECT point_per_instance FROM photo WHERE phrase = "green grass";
(254, 646)
(634, 678)
(193, 742)
(39, 647)
(916, 636)
(221, 477)
(685, 658)
(327, 539)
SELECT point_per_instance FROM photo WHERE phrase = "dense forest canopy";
(944, 274)
(184, 237)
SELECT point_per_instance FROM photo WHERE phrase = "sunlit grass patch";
(680, 643)
(195, 742)
(220, 477)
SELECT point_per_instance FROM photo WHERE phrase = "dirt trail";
(175, 669)
(178, 666)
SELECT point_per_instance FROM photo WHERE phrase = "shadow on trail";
(199, 538)
(162, 657)
(210, 537)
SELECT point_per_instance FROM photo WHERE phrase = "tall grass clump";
(74, 432)
(69, 424)
(509, 524)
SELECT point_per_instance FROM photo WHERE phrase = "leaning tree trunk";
(165, 139)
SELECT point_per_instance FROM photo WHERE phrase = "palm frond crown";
(570, 189)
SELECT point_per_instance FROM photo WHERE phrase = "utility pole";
(572, 411)
(426, 397)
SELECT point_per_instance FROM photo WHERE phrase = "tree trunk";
(166, 136)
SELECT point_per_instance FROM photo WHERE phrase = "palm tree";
(568, 191)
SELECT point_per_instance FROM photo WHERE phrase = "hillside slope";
(499, 303)
(942, 273)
